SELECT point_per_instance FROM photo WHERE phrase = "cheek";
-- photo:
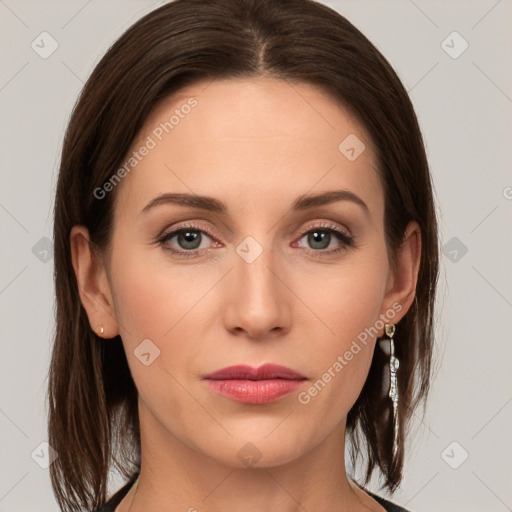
(168, 304)
(348, 303)
(156, 302)
(347, 299)
(152, 295)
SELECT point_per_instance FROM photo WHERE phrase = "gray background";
(464, 105)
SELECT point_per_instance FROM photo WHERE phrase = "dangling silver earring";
(393, 387)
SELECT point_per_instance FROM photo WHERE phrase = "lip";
(250, 385)
(264, 372)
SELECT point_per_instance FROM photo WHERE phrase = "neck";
(175, 476)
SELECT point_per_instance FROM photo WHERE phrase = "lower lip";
(255, 391)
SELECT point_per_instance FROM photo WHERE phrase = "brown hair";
(93, 416)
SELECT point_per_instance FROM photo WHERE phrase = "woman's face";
(258, 273)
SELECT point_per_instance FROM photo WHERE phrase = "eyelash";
(347, 240)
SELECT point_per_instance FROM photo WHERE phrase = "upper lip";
(244, 372)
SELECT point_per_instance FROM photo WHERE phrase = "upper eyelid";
(200, 227)
(174, 230)
(326, 225)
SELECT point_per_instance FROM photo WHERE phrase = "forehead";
(256, 137)
(253, 107)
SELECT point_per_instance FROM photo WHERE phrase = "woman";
(246, 259)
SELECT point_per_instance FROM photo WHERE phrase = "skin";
(257, 145)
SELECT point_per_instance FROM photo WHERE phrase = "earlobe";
(404, 276)
(93, 285)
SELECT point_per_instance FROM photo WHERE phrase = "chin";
(260, 451)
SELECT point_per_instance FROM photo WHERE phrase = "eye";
(321, 239)
(185, 241)
(190, 241)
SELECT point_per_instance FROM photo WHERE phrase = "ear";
(93, 285)
(401, 285)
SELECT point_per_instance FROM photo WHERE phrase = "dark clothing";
(388, 505)
(114, 501)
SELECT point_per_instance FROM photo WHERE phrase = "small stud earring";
(101, 330)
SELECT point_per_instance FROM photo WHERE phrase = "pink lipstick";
(252, 385)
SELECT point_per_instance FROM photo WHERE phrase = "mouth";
(250, 385)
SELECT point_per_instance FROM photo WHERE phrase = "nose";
(258, 301)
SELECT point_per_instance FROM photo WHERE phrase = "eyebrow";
(211, 204)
